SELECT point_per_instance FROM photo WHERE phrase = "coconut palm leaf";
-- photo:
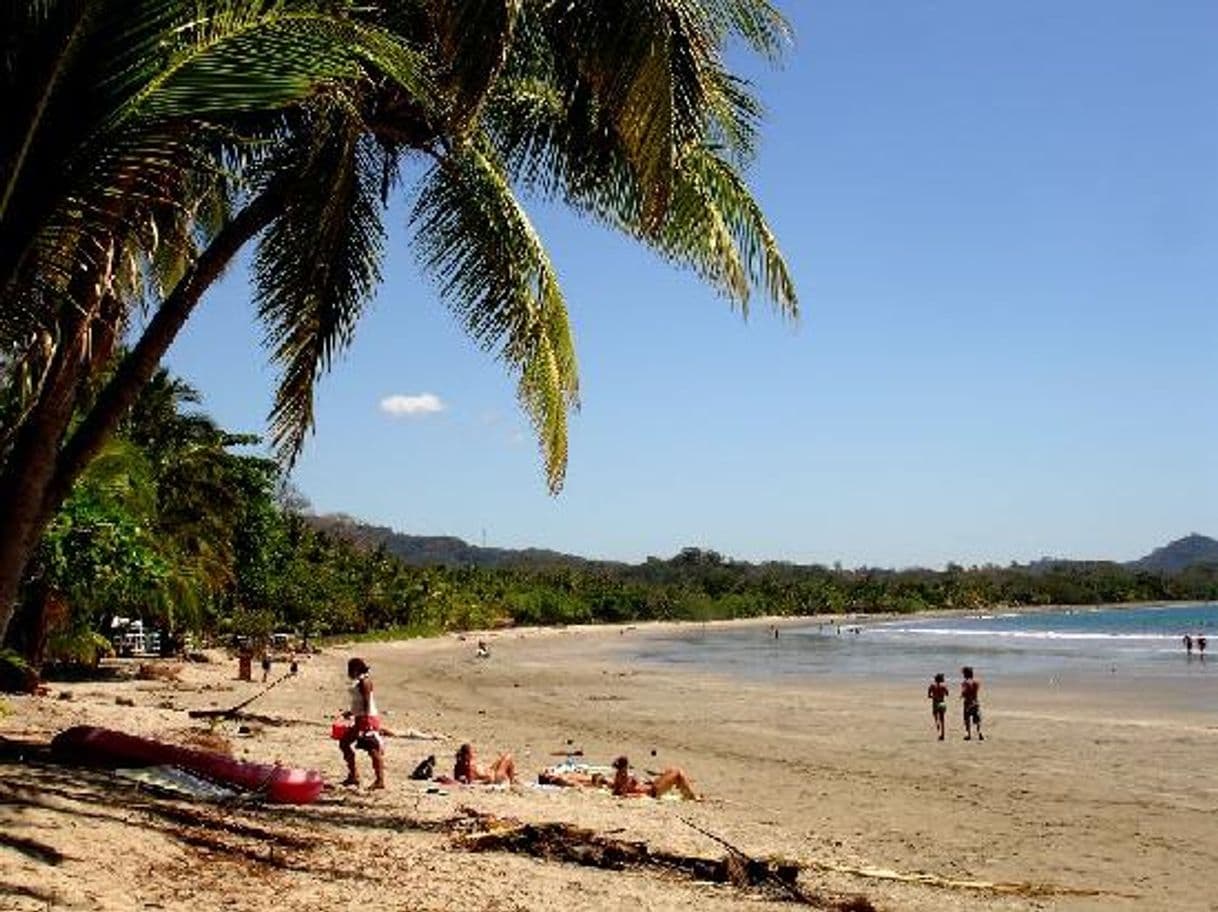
(120, 160)
(143, 103)
(717, 227)
(713, 225)
(319, 262)
(755, 22)
(650, 76)
(494, 273)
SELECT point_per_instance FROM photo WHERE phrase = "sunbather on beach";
(572, 779)
(466, 771)
(627, 786)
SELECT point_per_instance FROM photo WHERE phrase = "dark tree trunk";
(31, 466)
(35, 621)
(40, 474)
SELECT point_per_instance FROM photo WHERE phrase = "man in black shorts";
(969, 693)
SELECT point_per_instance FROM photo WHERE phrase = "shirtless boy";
(937, 694)
(969, 689)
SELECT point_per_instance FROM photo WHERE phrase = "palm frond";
(756, 22)
(628, 68)
(717, 228)
(318, 265)
(250, 55)
(471, 39)
(637, 82)
(156, 87)
(494, 273)
(713, 224)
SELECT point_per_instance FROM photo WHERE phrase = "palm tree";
(622, 109)
(198, 501)
(148, 530)
(123, 129)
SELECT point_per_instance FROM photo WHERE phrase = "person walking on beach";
(364, 731)
(1188, 645)
(937, 694)
(1201, 646)
(970, 689)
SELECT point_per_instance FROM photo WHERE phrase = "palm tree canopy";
(137, 128)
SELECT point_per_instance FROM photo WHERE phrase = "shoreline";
(848, 781)
(340, 641)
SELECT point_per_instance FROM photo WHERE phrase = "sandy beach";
(1082, 797)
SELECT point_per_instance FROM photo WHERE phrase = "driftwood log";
(564, 842)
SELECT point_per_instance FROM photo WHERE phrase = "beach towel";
(176, 782)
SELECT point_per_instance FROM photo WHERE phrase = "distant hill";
(450, 551)
(438, 550)
(1180, 554)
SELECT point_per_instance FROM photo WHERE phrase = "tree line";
(179, 523)
(145, 144)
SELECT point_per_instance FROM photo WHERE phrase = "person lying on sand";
(627, 786)
(466, 772)
(573, 779)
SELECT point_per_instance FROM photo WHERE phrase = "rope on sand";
(1012, 888)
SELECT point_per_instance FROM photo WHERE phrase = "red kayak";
(103, 747)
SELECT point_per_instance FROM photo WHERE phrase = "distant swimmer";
(1188, 644)
(937, 694)
(970, 689)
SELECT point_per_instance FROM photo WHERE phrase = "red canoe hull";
(105, 747)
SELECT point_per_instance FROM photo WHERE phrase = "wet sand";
(1086, 795)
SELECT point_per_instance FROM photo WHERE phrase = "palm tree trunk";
(40, 474)
(31, 463)
(33, 619)
(137, 368)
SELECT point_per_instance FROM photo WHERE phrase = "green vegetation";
(145, 144)
(173, 524)
(177, 525)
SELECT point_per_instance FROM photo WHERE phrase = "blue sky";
(1003, 222)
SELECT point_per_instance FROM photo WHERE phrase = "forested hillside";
(178, 524)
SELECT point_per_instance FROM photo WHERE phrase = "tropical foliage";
(174, 524)
(143, 144)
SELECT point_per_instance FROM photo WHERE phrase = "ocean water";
(1143, 641)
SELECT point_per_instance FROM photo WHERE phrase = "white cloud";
(400, 406)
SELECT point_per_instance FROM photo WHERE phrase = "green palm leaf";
(319, 264)
(717, 227)
(712, 225)
(757, 22)
(494, 273)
